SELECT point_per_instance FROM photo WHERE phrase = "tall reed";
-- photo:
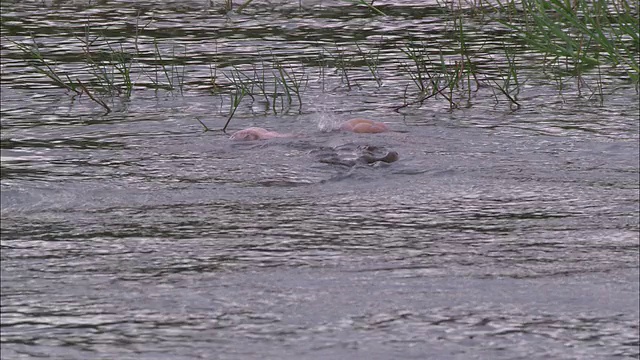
(584, 33)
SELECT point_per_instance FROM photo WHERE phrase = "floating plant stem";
(161, 63)
(509, 79)
(240, 85)
(260, 82)
(42, 66)
(236, 99)
(206, 128)
(274, 96)
(282, 79)
(175, 71)
(102, 69)
(97, 100)
(341, 65)
(244, 5)
(228, 5)
(122, 64)
(370, 6)
(580, 31)
(372, 62)
(419, 65)
(213, 79)
(297, 83)
(240, 91)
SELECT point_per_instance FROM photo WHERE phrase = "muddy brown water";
(497, 234)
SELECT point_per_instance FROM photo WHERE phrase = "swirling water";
(499, 234)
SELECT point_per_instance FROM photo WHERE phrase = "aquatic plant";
(241, 89)
(167, 75)
(228, 5)
(574, 38)
(340, 60)
(578, 40)
(510, 86)
(371, 58)
(109, 70)
(282, 84)
(44, 66)
(291, 82)
(583, 33)
(370, 6)
(432, 77)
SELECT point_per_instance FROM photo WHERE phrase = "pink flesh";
(353, 125)
(256, 133)
(364, 126)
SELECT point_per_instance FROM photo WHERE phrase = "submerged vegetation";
(574, 40)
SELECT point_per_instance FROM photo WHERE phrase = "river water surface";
(500, 233)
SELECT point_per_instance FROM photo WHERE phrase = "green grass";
(576, 40)
(372, 60)
(584, 34)
(370, 6)
(108, 70)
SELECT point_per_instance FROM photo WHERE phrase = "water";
(498, 234)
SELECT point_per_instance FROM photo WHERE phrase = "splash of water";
(325, 118)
